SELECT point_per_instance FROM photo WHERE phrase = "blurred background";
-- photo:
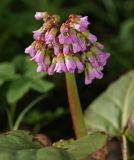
(112, 21)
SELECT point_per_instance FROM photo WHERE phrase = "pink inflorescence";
(67, 48)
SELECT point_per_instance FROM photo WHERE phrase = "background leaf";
(111, 110)
(17, 89)
(22, 77)
(7, 72)
(41, 85)
(24, 66)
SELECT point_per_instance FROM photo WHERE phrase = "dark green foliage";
(19, 145)
(20, 76)
(86, 145)
(40, 119)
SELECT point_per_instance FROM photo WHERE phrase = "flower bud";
(38, 15)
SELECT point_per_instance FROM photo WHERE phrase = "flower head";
(67, 48)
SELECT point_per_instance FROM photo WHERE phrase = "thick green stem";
(75, 106)
(124, 148)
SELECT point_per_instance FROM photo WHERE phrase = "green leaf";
(1, 81)
(6, 68)
(86, 145)
(41, 85)
(19, 145)
(7, 72)
(111, 110)
(29, 67)
(18, 89)
(127, 27)
(51, 153)
(18, 62)
(35, 116)
(16, 140)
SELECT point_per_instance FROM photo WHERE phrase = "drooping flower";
(60, 66)
(92, 38)
(70, 63)
(56, 49)
(52, 66)
(29, 50)
(37, 34)
(81, 23)
(50, 36)
(79, 64)
(102, 57)
(67, 48)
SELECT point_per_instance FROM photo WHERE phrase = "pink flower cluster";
(67, 48)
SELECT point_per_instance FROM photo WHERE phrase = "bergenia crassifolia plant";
(68, 48)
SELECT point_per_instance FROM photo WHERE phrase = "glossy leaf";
(51, 153)
(15, 140)
(84, 146)
(18, 145)
(111, 110)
